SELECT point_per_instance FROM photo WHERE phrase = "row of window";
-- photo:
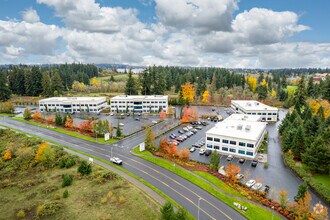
(74, 105)
(231, 150)
(131, 107)
(144, 102)
(259, 113)
(73, 110)
(113, 110)
(231, 142)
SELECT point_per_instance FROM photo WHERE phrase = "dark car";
(194, 130)
(173, 136)
(266, 189)
(198, 127)
(137, 119)
(204, 123)
(254, 162)
(208, 152)
(128, 114)
(181, 131)
(241, 160)
(195, 146)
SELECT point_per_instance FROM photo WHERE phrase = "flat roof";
(145, 97)
(253, 105)
(240, 129)
(244, 117)
(78, 99)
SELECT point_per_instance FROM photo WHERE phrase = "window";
(216, 139)
(264, 113)
(232, 150)
(253, 113)
(233, 142)
(209, 138)
(259, 113)
(241, 151)
(269, 119)
(250, 145)
(275, 113)
(224, 141)
(264, 119)
(216, 147)
(249, 153)
(224, 148)
(249, 113)
(209, 146)
(269, 113)
(242, 144)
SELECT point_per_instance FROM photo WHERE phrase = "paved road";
(179, 189)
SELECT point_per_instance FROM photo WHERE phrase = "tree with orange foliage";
(7, 155)
(187, 115)
(68, 122)
(206, 97)
(45, 154)
(320, 212)
(302, 208)
(162, 114)
(170, 110)
(50, 119)
(194, 113)
(173, 150)
(86, 126)
(37, 116)
(188, 91)
(184, 154)
(163, 147)
(232, 170)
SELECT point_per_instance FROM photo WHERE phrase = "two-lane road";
(179, 189)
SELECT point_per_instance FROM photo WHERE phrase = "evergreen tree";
(36, 81)
(46, 85)
(289, 134)
(5, 92)
(214, 161)
(326, 89)
(130, 88)
(57, 83)
(302, 190)
(118, 132)
(317, 156)
(320, 113)
(160, 84)
(311, 127)
(201, 87)
(310, 88)
(58, 119)
(167, 211)
(262, 92)
(145, 82)
(300, 95)
(298, 145)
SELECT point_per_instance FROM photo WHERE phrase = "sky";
(220, 33)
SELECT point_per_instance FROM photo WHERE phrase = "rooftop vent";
(239, 127)
(248, 127)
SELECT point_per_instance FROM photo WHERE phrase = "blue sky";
(163, 28)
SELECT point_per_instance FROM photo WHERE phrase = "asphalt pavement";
(179, 189)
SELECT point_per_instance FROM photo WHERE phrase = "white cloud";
(30, 15)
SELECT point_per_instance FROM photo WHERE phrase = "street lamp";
(199, 199)
(273, 213)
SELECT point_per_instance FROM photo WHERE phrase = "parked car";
(204, 123)
(202, 151)
(180, 138)
(241, 160)
(198, 127)
(208, 152)
(137, 119)
(188, 134)
(185, 129)
(195, 146)
(154, 122)
(184, 136)
(173, 136)
(128, 114)
(266, 189)
(230, 157)
(116, 160)
(112, 114)
(138, 114)
(192, 149)
(257, 186)
(122, 115)
(250, 183)
(239, 176)
(181, 131)
(189, 127)
(254, 162)
(175, 141)
(194, 130)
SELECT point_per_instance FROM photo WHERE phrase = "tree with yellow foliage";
(252, 82)
(45, 154)
(7, 155)
(170, 110)
(264, 83)
(188, 91)
(273, 93)
(206, 97)
(78, 86)
(68, 122)
(95, 82)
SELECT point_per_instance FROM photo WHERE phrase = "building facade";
(73, 104)
(251, 107)
(139, 103)
(239, 135)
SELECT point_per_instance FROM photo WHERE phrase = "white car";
(250, 183)
(189, 127)
(112, 114)
(185, 129)
(239, 176)
(116, 160)
(155, 122)
(121, 124)
(202, 151)
(256, 186)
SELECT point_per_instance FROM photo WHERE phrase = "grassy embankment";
(254, 211)
(70, 133)
(34, 190)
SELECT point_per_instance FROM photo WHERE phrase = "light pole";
(273, 213)
(199, 199)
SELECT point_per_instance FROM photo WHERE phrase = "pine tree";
(302, 190)
(118, 132)
(310, 88)
(5, 92)
(36, 81)
(130, 88)
(326, 89)
(46, 85)
(300, 95)
(298, 145)
(57, 84)
(214, 161)
(167, 211)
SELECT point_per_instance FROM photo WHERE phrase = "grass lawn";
(292, 87)
(254, 212)
(117, 77)
(71, 133)
(6, 115)
(322, 179)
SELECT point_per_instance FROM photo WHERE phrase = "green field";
(322, 179)
(117, 77)
(36, 190)
(254, 211)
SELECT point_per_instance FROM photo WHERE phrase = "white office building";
(139, 103)
(252, 107)
(73, 104)
(239, 135)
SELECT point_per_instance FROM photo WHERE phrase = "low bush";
(67, 180)
(49, 208)
(266, 165)
(85, 168)
(122, 199)
(21, 214)
(65, 194)
(67, 162)
(57, 196)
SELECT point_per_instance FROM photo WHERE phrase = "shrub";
(49, 208)
(21, 214)
(85, 168)
(67, 180)
(27, 115)
(104, 200)
(70, 162)
(65, 194)
(266, 165)
(122, 199)
(167, 211)
(57, 196)
(7, 155)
